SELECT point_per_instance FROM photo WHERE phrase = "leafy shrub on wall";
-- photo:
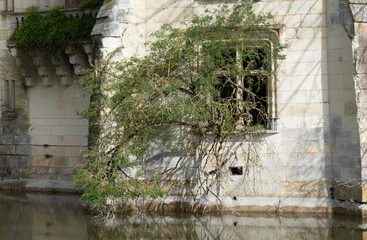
(52, 32)
(173, 97)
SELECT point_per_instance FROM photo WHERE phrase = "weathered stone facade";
(316, 151)
(41, 135)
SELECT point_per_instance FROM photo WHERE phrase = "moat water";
(34, 216)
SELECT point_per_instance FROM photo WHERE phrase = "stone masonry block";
(6, 139)
(73, 141)
(59, 130)
(359, 12)
(337, 108)
(21, 140)
(317, 6)
(7, 149)
(292, 20)
(300, 56)
(45, 140)
(313, 20)
(311, 173)
(360, 28)
(24, 161)
(350, 109)
(73, 151)
(304, 134)
(351, 175)
(299, 7)
(11, 161)
(66, 171)
(76, 161)
(305, 33)
(48, 150)
(22, 150)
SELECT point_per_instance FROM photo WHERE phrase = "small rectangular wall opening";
(236, 170)
(9, 95)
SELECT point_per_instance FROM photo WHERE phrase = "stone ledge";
(248, 205)
(33, 185)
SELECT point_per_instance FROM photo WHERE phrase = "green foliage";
(53, 32)
(176, 96)
(88, 4)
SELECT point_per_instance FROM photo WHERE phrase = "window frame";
(271, 110)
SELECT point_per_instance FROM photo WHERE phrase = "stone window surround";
(272, 124)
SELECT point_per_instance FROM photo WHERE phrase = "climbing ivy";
(52, 32)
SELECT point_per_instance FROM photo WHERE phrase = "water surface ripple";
(39, 216)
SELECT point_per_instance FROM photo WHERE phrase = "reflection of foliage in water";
(225, 227)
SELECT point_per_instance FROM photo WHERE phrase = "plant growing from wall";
(197, 87)
(52, 32)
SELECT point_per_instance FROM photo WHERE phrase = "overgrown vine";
(192, 93)
(52, 32)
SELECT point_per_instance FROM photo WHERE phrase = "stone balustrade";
(18, 18)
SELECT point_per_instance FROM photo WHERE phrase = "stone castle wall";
(41, 138)
(314, 154)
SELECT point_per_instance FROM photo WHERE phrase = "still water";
(34, 216)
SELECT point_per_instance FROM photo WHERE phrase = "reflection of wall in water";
(42, 217)
(255, 226)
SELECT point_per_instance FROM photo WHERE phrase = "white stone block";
(335, 42)
(303, 82)
(320, 56)
(74, 131)
(44, 140)
(59, 130)
(302, 109)
(291, 96)
(40, 130)
(284, 83)
(299, 7)
(114, 42)
(300, 56)
(334, 55)
(73, 151)
(299, 69)
(321, 82)
(73, 141)
(290, 33)
(348, 82)
(320, 32)
(316, 96)
(297, 45)
(292, 21)
(347, 53)
(313, 20)
(336, 82)
(305, 33)
(168, 15)
(342, 96)
(316, 44)
(317, 6)
(317, 68)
